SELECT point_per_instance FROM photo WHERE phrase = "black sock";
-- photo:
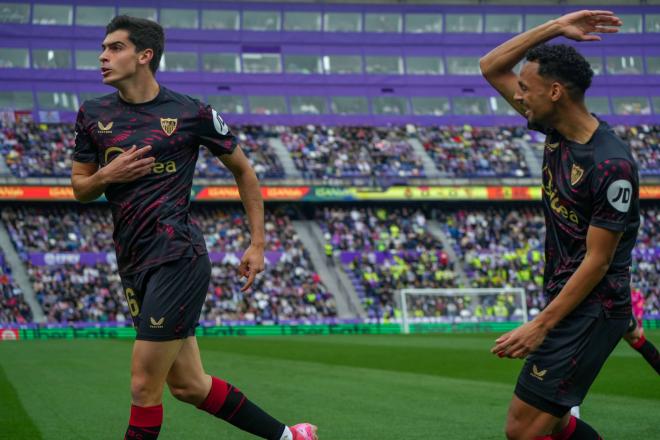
(137, 433)
(650, 353)
(584, 432)
(228, 403)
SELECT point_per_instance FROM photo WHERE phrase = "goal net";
(464, 305)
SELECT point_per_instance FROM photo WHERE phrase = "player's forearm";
(590, 272)
(504, 57)
(89, 188)
(250, 192)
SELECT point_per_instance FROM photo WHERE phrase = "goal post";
(477, 297)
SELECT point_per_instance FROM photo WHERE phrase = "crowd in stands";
(253, 140)
(288, 289)
(644, 140)
(13, 307)
(413, 256)
(349, 152)
(40, 150)
(469, 151)
(646, 266)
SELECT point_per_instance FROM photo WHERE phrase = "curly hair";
(143, 33)
(564, 64)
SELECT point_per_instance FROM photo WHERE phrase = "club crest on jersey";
(576, 174)
(105, 129)
(168, 125)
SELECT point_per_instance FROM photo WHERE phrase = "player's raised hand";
(129, 165)
(581, 25)
(252, 263)
(520, 342)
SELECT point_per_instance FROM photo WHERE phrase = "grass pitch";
(353, 387)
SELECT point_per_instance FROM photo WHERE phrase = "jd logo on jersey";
(168, 125)
(105, 129)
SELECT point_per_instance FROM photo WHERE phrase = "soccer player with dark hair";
(591, 206)
(139, 146)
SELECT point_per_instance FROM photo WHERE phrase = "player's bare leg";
(637, 340)
(150, 364)
(526, 422)
(188, 382)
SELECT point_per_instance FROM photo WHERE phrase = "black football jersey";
(597, 184)
(151, 216)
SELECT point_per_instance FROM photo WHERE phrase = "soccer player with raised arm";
(139, 146)
(591, 206)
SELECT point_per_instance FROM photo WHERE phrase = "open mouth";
(105, 71)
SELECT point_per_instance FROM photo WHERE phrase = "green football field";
(353, 387)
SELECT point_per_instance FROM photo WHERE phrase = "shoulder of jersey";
(607, 145)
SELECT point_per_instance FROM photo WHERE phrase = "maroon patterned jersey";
(151, 217)
(589, 184)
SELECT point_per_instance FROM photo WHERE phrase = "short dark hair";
(144, 34)
(564, 64)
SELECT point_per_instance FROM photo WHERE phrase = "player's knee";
(144, 391)
(189, 392)
(514, 430)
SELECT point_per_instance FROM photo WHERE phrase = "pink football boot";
(304, 431)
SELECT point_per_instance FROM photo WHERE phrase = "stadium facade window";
(631, 105)
(463, 66)
(390, 105)
(349, 105)
(632, 23)
(14, 13)
(500, 106)
(656, 104)
(653, 65)
(430, 105)
(87, 60)
(58, 101)
(423, 23)
(16, 100)
(384, 64)
(148, 13)
(262, 63)
(462, 23)
(533, 20)
(302, 21)
(51, 58)
(14, 58)
(85, 96)
(179, 18)
(625, 65)
(221, 62)
(653, 23)
(224, 104)
(383, 22)
(598, 104)
(342, 22)
(267, 105)
(308, 105)
(61, 15)
(305, 64)
(94, 15)
(596, 64)
(424, 66)
(179, 62)
(220, 19)
(473, 105)
(342, 64)
(261, 20)
(504, 23)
